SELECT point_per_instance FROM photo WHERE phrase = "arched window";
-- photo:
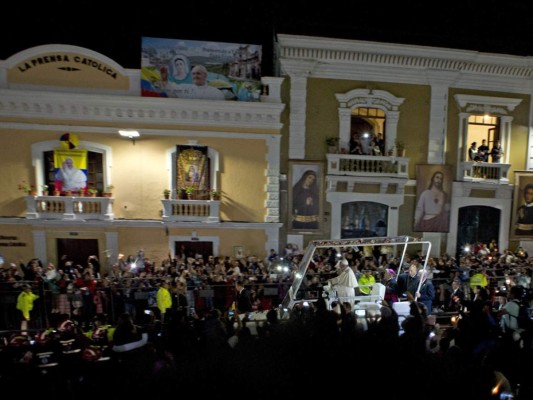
(368, 116)
(99, 163)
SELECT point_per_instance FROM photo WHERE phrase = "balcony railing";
(485, 172)
(371, 166)
(69, 208)
(191, 210)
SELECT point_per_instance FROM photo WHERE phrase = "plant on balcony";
(27, 188)
(166, 193)
(400, 148)
(108, 192)
(190, 190)
(215, 194)
(92, 191)
(44, 189)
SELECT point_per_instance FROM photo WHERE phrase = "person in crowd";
(243, 298)
(305, 202)
(71, 178)
(457, 296)
(25, 305)
(366, 281)
(432, 213)
(425, 294)
(524, 213)
(408, 281)
(391, 285)
(345, 282)
(164, 300)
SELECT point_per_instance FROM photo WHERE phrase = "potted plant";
(92, 191)
(108, 192)
(190, 191)
(27, 188)
(44, 189)
(181, 193)
(166, 193)
(215, 194)
(333, 143)
(400, 148)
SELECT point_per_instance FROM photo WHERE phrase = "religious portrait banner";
(191, 69)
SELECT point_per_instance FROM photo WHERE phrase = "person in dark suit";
(243, 299)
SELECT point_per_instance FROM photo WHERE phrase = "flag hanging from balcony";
(70, 170)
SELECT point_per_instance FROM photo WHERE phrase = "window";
(370, 112)
(95, 168)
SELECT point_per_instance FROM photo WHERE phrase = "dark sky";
(115, 30)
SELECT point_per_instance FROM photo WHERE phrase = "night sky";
(115, 30)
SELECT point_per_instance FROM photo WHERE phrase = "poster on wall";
(70, 169)
(433, 188)
(306, 196)
(191, 69)
(522, 220)
(192, 167)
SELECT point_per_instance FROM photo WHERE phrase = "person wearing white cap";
(345, 282)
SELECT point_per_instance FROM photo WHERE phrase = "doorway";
(77, 250)
(477, 224)
(191, 248)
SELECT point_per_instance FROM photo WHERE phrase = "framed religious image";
(238, 252)
(192, 167)
(522, 219)
(433, 198)
(306, 200)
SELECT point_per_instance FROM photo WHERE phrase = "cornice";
(146, 110)
(361, 60)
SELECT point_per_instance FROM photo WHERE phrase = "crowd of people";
(185, 345)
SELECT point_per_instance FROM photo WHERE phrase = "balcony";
(484, 172)
(345, 173)
(191, 211)
(371, 166)
(69, 208)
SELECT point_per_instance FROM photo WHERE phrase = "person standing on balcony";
(432, 210)
(483, 151)
(496, 152)
(524, 220)
(473, 152)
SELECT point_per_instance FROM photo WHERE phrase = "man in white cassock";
(345, 282)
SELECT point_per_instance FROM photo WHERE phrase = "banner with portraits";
(191, 69)
(70, 169)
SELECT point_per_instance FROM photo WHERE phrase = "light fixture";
(129, 134)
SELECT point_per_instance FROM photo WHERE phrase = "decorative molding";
(139, 110)
(486, 104)
(374, 61)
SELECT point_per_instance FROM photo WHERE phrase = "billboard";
(191, 69)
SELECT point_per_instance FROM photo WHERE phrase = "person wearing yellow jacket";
(164, 300)
(25, 305)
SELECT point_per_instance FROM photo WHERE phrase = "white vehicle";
(363, 305)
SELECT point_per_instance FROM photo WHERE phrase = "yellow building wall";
(16, 243)
(323, 116)
(140, 172)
